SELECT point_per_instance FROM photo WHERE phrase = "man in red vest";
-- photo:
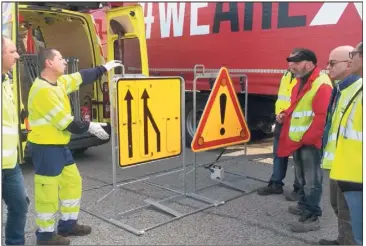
(301, 135)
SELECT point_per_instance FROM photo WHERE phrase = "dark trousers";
(340, 207)
(280, 163)
(310, 177)
(354, 202)
(17, 203)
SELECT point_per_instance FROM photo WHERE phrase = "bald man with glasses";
(340, 74)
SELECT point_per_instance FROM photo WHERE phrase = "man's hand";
(280, 117)
(112, 64)
(97, 130)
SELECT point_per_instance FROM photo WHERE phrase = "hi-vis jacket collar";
(5, 76)
(348, 81)
(310, 77)
(315, 74)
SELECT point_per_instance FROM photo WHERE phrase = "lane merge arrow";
(148, 115)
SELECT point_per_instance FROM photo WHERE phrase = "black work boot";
(54, 240)
(270, 189)
(76, 230)
(307, 222)
(293, 196)
(328, 242)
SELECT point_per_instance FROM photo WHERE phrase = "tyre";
(200, 106)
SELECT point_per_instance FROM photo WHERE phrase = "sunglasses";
(353, 53)
(332, 63)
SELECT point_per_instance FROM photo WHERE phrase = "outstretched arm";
(92, 74)
(73, 81)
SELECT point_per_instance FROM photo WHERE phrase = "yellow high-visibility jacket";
(345, 96)
(50, 111)
(288, 81)
(10, 137)
(303, 114)
(347, 164)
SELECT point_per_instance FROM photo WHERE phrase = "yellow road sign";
(222, 123)
(149, 119)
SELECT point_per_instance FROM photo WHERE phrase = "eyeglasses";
(331, 63)
(353, 53)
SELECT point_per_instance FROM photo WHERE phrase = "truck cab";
(71, 29)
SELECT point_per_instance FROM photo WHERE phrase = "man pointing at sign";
(56, 174)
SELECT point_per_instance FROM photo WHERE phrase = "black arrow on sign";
(147, 114)
(129, 98)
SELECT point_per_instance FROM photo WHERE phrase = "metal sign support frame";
(72, 64)
(204, 75)
(158, 204)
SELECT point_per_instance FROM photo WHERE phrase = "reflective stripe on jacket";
(347, 164)
(288, 81)
(10, 137)
(303, 114)
(319, 106)
(335, 115)
(50, 111)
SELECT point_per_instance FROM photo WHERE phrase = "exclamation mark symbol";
(222, 111)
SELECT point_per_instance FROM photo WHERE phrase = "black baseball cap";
(303, 55)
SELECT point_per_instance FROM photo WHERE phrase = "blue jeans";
(280, 163)
(17, 203)
(310, 176)
(354, 202)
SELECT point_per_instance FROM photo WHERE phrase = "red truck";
(251, 38)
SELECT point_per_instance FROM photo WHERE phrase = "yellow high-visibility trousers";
(66, 187)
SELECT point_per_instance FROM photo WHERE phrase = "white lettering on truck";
(330, 13)
(195, 28)
(167, 16)
(149, 18)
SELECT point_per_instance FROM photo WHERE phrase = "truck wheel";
(200, 106)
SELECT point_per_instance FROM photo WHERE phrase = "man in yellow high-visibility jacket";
(347, 164)
(280, 164)
(345, 87)
(56, 174)
(301, 136)
(13, 190)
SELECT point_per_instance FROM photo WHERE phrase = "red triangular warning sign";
(222, 123)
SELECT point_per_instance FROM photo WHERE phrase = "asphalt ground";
(244, 218)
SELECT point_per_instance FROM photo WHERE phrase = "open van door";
(126, 40)
(9, 28)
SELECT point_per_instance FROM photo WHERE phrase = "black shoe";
(270, 189)
(293, 196)
(328, 242)
(296, 210)
(307, 222)
(54, 240)
(77, 230)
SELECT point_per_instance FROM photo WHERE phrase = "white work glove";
(112, 64)
(97, 130)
